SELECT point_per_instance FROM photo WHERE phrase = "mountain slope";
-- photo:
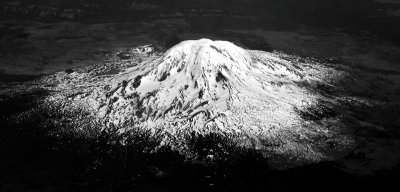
(203, 86)
(291, 110)
(209, 83)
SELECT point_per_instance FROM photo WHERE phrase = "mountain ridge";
(203, 86)
(289, 109)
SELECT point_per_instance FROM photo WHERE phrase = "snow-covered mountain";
(207, 85)
(204, 86)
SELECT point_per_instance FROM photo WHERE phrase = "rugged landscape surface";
(94, 97)
(212, 102)
(202, 87)
(302, 109)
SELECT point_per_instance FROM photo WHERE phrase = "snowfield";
(279, 105)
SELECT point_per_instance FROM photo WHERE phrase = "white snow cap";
(200, 84)
(205, 86)
(203, 59)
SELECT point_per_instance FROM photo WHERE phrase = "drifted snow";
(208, 86)
(211, 86)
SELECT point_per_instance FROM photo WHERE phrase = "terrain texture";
(199, 95)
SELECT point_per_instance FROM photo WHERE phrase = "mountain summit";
(264, 101)
(204, 85)
(208, 86)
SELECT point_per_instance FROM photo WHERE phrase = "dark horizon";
(374, 16)
(199, 95)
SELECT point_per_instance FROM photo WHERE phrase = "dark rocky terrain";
(60, 49)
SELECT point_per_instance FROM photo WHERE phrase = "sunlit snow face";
(208, 86)
(205, 86)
